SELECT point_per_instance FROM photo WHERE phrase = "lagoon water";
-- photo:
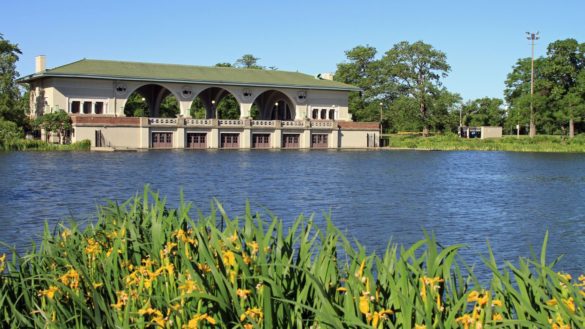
(508, 199)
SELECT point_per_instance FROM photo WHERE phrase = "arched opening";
(152, 101)
(331, 114)
(273, 105)
(213, 103)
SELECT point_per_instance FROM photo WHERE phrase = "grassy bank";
(143, 265)
(452, 142)
(38, 145)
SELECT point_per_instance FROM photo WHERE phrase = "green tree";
(9, 132)
(136, 106)
(248, 61)
(483, 112)
(169, 107)
(416, 69)
(564, 72)
(11, 106)
(362, 70)
(58, 122)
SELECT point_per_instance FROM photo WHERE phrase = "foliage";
(248, 61)
(11, 105)
(169, 107)
(58, 122)
(9, 133)
(483, 112)
(144, 265)
(559, 89)
(39, 145)
(136, 106)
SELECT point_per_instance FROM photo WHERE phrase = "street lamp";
(214, 109)
(532, 37)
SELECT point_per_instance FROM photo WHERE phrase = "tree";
(9, 132)
(483, 112)
(248, 61)
(565, 66)
(58, 122)
(417, 70)
(362, 71)
(10, 96)
(136, 106)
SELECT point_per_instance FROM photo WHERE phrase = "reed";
(143, 265)
(39, 145)
(452, 142)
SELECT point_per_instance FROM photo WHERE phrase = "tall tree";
(362, 70)
(417, 68)
(566, 62)
(10, 104)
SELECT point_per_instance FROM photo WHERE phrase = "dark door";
(319, 141)
(261, 141)
(196, 140)
(162, 140)
(230, 141)
(290, 141)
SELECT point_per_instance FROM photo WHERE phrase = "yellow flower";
(234, 237)
(229, 259)
(364, 304)
(420, 326)
(93, 248)
(97, 285)
(122, 299)
(565, 276)
(360, 272)
(252, 313)
(243, 293)
(465, 320)
(382, 315)
(70, 279)
(342, 289)
(248, 326)
(497, 302)
(2, 262)
(188, 287)
(570, 303)
(194, 322)
(204, 268)
(253, 247)
(497, 317)
(65, 234)
(473, 297)
(50, 292)
(552, 302)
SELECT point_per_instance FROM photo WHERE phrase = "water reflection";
(508, 199)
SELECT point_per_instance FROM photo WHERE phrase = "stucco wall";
(357, 139)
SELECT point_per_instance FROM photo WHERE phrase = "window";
(86, 107)
(315, 114)
(75, 107)
(99, 107)
(230, 140)
(323, 114)
(332, 114)
(162, 140)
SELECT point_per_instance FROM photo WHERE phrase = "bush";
(9, 133)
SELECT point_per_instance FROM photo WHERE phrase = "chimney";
(40, 64)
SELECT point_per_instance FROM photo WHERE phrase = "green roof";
(101, 69)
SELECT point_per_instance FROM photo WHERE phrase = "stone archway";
(274, 105)
(215, 102)
(152, 100)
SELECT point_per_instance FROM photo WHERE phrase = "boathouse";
(275, 109)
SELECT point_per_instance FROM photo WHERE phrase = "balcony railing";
(189, 122)
(163, 121)
(199, 122)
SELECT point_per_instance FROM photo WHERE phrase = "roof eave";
(37, 76)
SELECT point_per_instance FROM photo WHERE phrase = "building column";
(245, 109)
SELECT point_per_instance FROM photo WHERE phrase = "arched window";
(315, 113)
(323, 114)
(331, 114)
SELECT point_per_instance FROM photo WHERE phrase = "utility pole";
(532, 37)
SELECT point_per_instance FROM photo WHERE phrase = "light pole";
(532, 37)
(214, 109)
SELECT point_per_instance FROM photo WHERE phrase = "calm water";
(508, 199)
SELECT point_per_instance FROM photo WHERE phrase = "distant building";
(292, 110)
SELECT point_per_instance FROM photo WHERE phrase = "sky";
(482, 39)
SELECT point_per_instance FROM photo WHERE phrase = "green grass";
(38, 145)
(142, 265)
(452, 142)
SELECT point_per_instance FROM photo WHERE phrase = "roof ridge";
(187, 65)
(61, 66)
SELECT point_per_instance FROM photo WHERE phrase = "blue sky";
(482, 39)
